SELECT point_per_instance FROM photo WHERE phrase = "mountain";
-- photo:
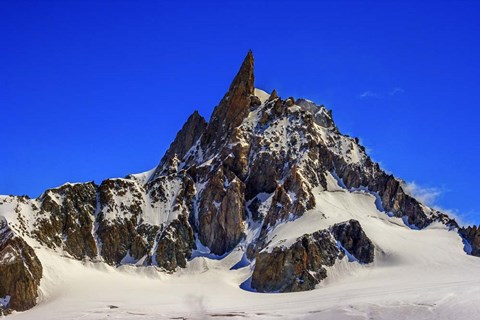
(269, 182)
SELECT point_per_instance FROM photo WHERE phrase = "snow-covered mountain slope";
(268, 196)
(417, 275)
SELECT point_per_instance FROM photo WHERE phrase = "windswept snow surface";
(416, 275)
(262, 95)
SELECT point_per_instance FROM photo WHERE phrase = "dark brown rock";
(191, 131)
(112, 189)
(290, 102)
(353, 239)
(117, 220)
(235, 157)
(298, 268)
(20, 270)
(254, 102)
(116, 238)
(299, 191)
(233, 108)
(175, 245)
(472, 235)
(278, 108)
(221, 211)
(273, 95)
(280, 208)
(139, 247)
(289, 201)
(71, 210)
(263, 174)
(393, 196)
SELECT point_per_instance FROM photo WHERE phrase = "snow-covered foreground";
(416, 275)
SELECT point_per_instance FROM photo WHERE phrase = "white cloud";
(430, 195)
(463, 219)
(426, 195)
(380, 95)
(369, 94)
(395, 91)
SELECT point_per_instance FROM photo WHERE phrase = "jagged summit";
(234, 106)
(245, 78)
(191, 131)
(273, 179)
(273, 95)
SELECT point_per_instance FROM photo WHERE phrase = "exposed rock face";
(352, 238)
(393, 196)
(273, 95)
(116, 238)
(192, 130)
(302, 266)
(264, 179)
(472, 235)
(233, 108)
(294, 196)
(117, 220)
(175, 245)
(221, 211)
(20, 270)
(123, 232)
(298, 268)
(66, 219)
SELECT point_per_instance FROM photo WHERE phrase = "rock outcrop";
(221, 211)
(301, 266)
(66, 217)
(353, 239)
(472, 236)
(297, 268)
(233, 108)
(175, 245)
(20, 271)
(186, 138)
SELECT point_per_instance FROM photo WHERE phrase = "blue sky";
(98, 89)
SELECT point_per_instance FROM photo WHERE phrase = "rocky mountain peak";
(244, 80)
(273, 95)
(191, 131)
(261, 164)
(234, 106)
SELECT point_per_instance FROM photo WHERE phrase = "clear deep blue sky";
(94, 89)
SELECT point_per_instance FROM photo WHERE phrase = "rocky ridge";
(301, 266)
(222, 184)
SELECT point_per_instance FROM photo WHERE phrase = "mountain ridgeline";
(222, 185)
